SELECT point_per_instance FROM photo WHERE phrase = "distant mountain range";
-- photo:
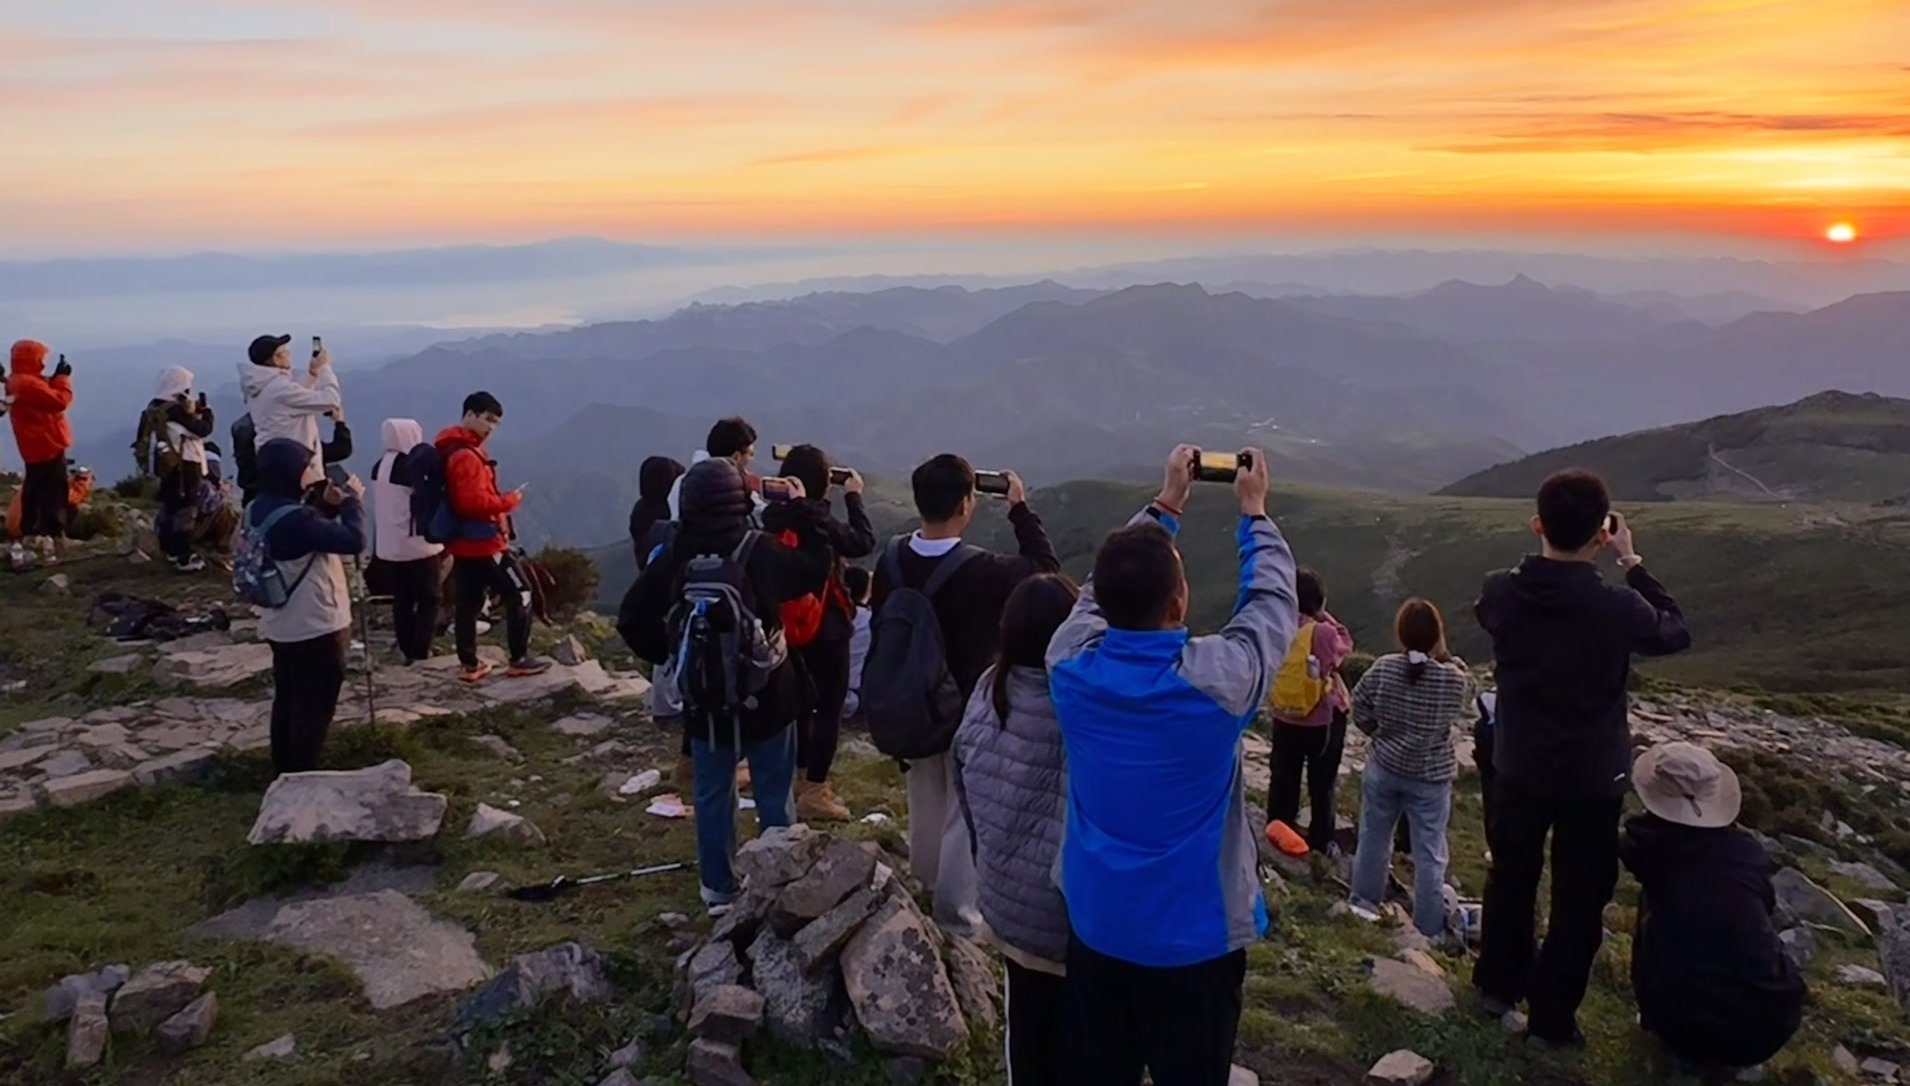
(1830, 447)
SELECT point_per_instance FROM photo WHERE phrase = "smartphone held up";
(995, 484)
(1220, 467)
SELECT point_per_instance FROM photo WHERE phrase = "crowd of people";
(1073, 753)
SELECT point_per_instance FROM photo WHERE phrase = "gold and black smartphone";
(1220, 467)
(992, 483)
(780, 453)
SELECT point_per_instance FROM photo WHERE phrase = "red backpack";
(802, 616)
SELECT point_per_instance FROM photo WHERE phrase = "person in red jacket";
(480, 552)
(43, 434)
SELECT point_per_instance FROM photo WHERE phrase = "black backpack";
(722, 655)
(423, 470)
(911, 699)
(245, 452)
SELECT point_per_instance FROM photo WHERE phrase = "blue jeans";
(1426, 806)
(772, 772)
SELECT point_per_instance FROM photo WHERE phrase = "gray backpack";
(911, 699)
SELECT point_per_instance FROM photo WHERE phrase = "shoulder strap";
(952, 562)
(265, 530)
(746, 548)
(276, 515)
(892, 559)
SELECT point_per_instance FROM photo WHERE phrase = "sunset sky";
(171, 125)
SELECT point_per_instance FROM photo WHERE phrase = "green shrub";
(137, 488)
(576, 577)
(93, 522)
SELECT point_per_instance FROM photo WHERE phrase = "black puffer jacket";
(714, 508)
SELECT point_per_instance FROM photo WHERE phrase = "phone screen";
(318, 345)
(1220, 462)
(779, 453)
(337, 474)
(839, 476)
(992, 482)
(1611, 524)
(777, 490)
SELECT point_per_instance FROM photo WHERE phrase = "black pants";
(174, 524)
(475, 578)
(43, 494)
(1552, 978)
(1037, 1023)
(306, 678)
(820, 729)
(1482, 759)
(414, 604)
(1177, 1024)
(1314, 752)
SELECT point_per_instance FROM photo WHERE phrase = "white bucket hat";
(1686, 784)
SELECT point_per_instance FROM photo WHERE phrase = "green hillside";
(1831, 447)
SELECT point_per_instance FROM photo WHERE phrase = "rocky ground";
(171, 916)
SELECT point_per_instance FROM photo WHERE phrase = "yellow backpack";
(1299, 686)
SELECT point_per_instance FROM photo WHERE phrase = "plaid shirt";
(1411, 722)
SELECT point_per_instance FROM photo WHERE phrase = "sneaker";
(20, 558)
(474, 674)
(191, 565)
(527, 665)
(818, 803)
(482, 627)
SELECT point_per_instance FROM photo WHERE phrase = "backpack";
(255, 576)
(802, 616)
(431, 514)
(151, 448)
(909, 696)
(245, 452)
(1299, 686)
(721, 654)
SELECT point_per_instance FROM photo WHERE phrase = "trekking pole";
(363, 604)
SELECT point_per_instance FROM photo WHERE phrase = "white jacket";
(392, 535)
(283, 405)
(174, 382)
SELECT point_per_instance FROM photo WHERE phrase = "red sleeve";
(54, 395)
(472, 491)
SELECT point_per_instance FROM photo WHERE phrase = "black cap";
(264, 347)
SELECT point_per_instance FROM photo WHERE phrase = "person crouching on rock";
(311, 634)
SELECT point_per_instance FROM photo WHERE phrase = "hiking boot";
(474, 674)
(525, 666)
(817, 802)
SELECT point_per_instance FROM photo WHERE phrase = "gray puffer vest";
(1013, 779)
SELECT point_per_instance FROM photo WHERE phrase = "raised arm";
(1655, 625)
(316, 394)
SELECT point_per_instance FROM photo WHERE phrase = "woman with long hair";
(1409, 703)
(1011, 775)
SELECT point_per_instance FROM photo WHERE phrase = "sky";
(149, 126)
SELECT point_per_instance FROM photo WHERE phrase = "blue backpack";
(255, 576)
(423, 470)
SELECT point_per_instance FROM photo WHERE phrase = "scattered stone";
(217, 668)
(569, 969)
(283, 1048)
(1402, 1068)
(713, 1064)
(779, 857)
(117, 665)
(1240, 1076)
(842, 869)
(1863, 875)
(57, 1004)
(1878, 911)
(1809, 901)
(571, 652)
(500, 1061)
(973, 977)
(673, 921)
(800, 1008)
(821, 941)
(1412, 986)
(86, 787)
(497, 745)
(399, 952)
(1515, 1023)
(155, 994)
(375, 804)
(900, 991)
(86, 1036)
(1424, 962)
(17, 805)
(482, 882)
(59, 585)
(730, 1015)
(180, 768)
(1857, 976)
(640, 783)
(583, 725)
(491, 822)
(189, 1029)
(13, 760)
(1800, 944)
(65, 763)
(1877, 1068)
(1842, 1059)
(629, 1055)
(714, 966)
(621, 1077)
(1894, 949)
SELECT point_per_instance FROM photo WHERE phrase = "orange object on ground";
(1286, 839)
(78, 489)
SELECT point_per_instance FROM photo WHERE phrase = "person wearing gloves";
(281, 405)
(38, 406)
(417, 564)
(311, 634)
(171, 446)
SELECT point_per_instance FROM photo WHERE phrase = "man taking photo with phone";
(38, 412)
(482, 541)
(281, 405)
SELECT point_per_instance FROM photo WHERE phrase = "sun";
(1842, 233)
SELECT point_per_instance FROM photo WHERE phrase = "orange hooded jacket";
(39, 405)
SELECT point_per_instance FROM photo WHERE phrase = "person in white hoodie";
(416, 563)
(282, 405)
(171, 445)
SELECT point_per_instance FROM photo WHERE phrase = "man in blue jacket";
(1164, 896)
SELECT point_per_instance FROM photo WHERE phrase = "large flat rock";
(398, 951)
(375, 804)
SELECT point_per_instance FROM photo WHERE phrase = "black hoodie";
(1564, 640)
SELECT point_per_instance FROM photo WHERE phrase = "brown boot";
(818, 803)
(742, 777)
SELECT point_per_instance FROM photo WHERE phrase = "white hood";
(402, 435)
(174, 382)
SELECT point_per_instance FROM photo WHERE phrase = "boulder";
(1863, 875)
(497, 745)
(730, 1015)
(117, 665)
(570, 970)
(283, 1048)
(1240, 1076)
(583, 725)
(180, 768)
(65, 762)
(1801, 944)
(488, 821)
(1412, 986)
(1402, 1068)
(85, 787)
(1857, 976)
(88, 1032)
(189, 1029)
(779, 857)
(898, 986)
(820, 942)
(714, 1064)
(482, 882)
(57, 1003)
(714, 965)
(155, 994)
(1894, 948)
(800, 1008)
(1806, 900)
(375, 804)
(746, 915)
(399, 952)
(571, 652)
(843, 868)
(973, 977)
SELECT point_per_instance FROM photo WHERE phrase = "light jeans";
(941, 853)
(1427, 806)
(772, 773)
